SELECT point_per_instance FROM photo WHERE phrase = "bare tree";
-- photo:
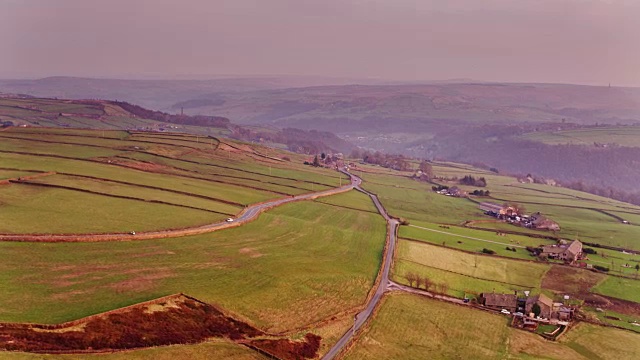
(427, 283)
(411, 278)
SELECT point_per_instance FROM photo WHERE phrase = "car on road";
(132, 232)
(505, 311)
(230, 220)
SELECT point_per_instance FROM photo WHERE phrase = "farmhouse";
(457, 192)
(499, 301)
(498, 211)
(568, 253)
(544, 302)
(540, 222)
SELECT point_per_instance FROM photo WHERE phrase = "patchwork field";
(413, 327)
(587, 217)
(295, 265)
(156, 181)
(623, 136)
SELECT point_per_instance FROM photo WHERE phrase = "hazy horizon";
(566, 42)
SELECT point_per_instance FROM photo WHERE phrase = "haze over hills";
(458, 120)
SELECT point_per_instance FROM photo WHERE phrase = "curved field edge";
(296, 265)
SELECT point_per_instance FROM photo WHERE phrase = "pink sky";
(572, 41)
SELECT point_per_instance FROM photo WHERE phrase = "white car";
(505, 311)
(230, 220)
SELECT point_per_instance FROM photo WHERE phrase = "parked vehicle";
(505, 311)
(230, 220)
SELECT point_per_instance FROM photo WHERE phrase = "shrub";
(488, 251)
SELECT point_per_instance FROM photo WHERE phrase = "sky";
(560, 41)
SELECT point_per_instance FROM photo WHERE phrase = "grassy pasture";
(28, 209)
(414, 200)
(297, 264)
(471, 240)
(596, 342)
(112, 172)
(623, 136)
(458, 285)
(352, 199)
(622, 288)
(138, 192)
(12, 174)
(511, 272)
(76, 151)
(592, 226)
(412, 327)
(213, 349)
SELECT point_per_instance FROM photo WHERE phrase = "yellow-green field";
(413, 327)
(297, 264)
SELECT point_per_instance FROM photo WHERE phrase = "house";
(457, 192)
(545, 304)
(498, 210)
(568, 253)
(540, 222)
(499, 301)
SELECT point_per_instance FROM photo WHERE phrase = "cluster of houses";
(453, 191)
(532, 309)
(512, 215)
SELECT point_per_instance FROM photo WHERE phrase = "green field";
(197, 182)
(413, 327)
(213, 349)
(623, 136)
(513, 272)
(472, 240)
(622, 288)
(297, 264)
(31, 210)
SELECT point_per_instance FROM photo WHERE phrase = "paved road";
(365, 314)
(249, 214)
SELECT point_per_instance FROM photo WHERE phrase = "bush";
(488, 251)
(589, 251)
(511, 249)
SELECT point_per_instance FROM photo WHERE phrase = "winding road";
(383, 284)
(250, 213)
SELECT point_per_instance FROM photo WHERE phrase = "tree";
(535, 309)
(323, 156)
(411, 278)
(427, 169)
(316, 163)
(427, 283)
(419, 280)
